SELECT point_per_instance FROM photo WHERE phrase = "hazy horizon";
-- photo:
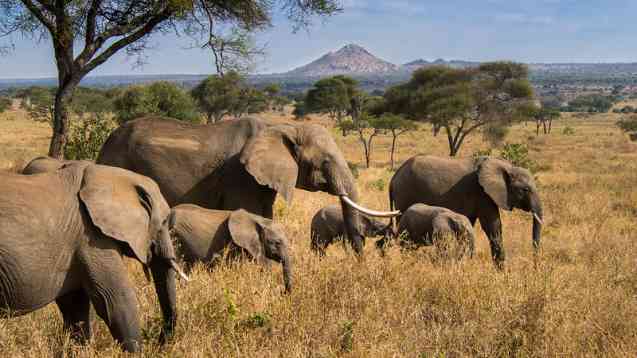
(541, 31)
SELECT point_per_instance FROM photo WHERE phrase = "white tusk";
(177, 269)
(380, 214)
(537, 217)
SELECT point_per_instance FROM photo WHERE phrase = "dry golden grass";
(578, 299)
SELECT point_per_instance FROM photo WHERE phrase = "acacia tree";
(334, 96)
(544, 118)
(103, 28)
(395, 125)
(367, 128)
(462, 100)
(217, 96)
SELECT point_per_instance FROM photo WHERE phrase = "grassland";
(578, 299)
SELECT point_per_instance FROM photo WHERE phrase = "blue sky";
(400, 31)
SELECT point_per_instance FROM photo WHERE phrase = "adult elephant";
(239, 164)
(475, 188)
(69, 247)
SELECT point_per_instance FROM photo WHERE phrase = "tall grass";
(578, 298)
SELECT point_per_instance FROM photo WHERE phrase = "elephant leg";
(113, 296)
(75, 308)
(319, 244)
(492, 226)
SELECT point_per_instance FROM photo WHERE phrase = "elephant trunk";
(286, 262)
(352, 221)
(536, 209)
(164, 270)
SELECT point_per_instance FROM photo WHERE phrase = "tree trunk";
(545, 128)
(537, 129)
(391, 155)
(61, 121)
(550, 125)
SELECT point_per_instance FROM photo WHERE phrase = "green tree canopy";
(462, 100)
(86, 33)
(5, 103)
(217, 96)
(333, 96)
(160, 98)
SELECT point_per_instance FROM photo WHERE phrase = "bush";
(87, 137)
(568, 130)
(518, 155)
(628, 124)
(160, 98)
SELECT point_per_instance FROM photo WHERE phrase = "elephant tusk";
(380, 214)
(537, 217)
(177, 269)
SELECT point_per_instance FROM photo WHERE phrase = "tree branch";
(39, 14)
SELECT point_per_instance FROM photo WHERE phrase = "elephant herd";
(168, 193)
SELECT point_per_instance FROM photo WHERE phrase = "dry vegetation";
(578, 299)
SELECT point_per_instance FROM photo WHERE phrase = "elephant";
(69, 247)
(203, 235)
(476, 188)
(46, 164)
(328, 225)
(422, 224)
(238, 164)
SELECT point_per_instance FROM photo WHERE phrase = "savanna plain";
(577, 298)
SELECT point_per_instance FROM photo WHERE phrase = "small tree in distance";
(5, 103)
(160, 98)
(333, 96)
(217, 96)
(367, 128)
(396, 125)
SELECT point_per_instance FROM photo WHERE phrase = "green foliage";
(568, 130)
(628, 125)
(378, 184)
(518, 155)
(347, 336)
(299, 112)
(5, 103)
(495, 133)
(332, 95)
(38, 102)
(593, 103)
(87, 136)
(250, 100)
(463, 100)
(217, 96)
(257, 320)
(91, 100)
(354, 168)
(160, 98)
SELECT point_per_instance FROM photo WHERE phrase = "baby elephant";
(328, 224)
(422, 224)
(202, 235)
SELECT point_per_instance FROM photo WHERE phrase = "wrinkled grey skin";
(63, 237)
(421, 224)
(47, 164)
(203, 235)
(328, 225)
(475, 188)
(240, 164)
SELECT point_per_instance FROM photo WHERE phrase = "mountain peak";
(349, 59)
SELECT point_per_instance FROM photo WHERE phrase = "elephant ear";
(493, 175)
(270, 158)
(125, 206)
(246, 233)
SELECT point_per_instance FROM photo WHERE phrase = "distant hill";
(351, 59)
(375, 73)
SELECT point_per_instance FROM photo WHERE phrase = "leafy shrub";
(378, 184)
(257, 320)
(628, 124)
(87, 136)
(354, 168)
(160, 98)
(518, 155)
(568, 130)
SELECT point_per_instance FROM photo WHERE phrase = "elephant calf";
(328, 224)
(202, 235)
(423, 224)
